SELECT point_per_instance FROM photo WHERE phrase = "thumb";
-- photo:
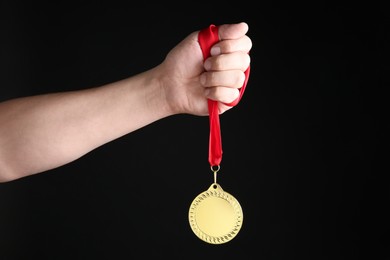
(232, 31)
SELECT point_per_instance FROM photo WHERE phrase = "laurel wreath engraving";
(215, 191)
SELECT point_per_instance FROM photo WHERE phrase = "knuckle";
(240, 78)
(247, 60)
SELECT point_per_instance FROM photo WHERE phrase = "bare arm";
(42, 132)
(39, 133)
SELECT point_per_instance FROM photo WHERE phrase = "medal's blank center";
(215, 216)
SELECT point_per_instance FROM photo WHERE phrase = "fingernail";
(215, 51)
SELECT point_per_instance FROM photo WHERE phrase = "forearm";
(43, 132)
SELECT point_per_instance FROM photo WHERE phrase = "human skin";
(42, 132)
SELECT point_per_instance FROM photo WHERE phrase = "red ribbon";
(207, 38)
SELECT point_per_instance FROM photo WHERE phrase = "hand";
(188, 81)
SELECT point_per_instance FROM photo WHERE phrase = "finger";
(222, 94)
(243, 44)
(231, 61)
(232, 31)
(231, 79)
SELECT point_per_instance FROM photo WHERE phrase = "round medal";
(215, 216)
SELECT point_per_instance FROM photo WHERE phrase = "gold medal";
(215, 216)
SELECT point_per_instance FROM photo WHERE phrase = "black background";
(305, 151)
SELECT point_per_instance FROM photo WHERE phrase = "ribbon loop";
(207, 38)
